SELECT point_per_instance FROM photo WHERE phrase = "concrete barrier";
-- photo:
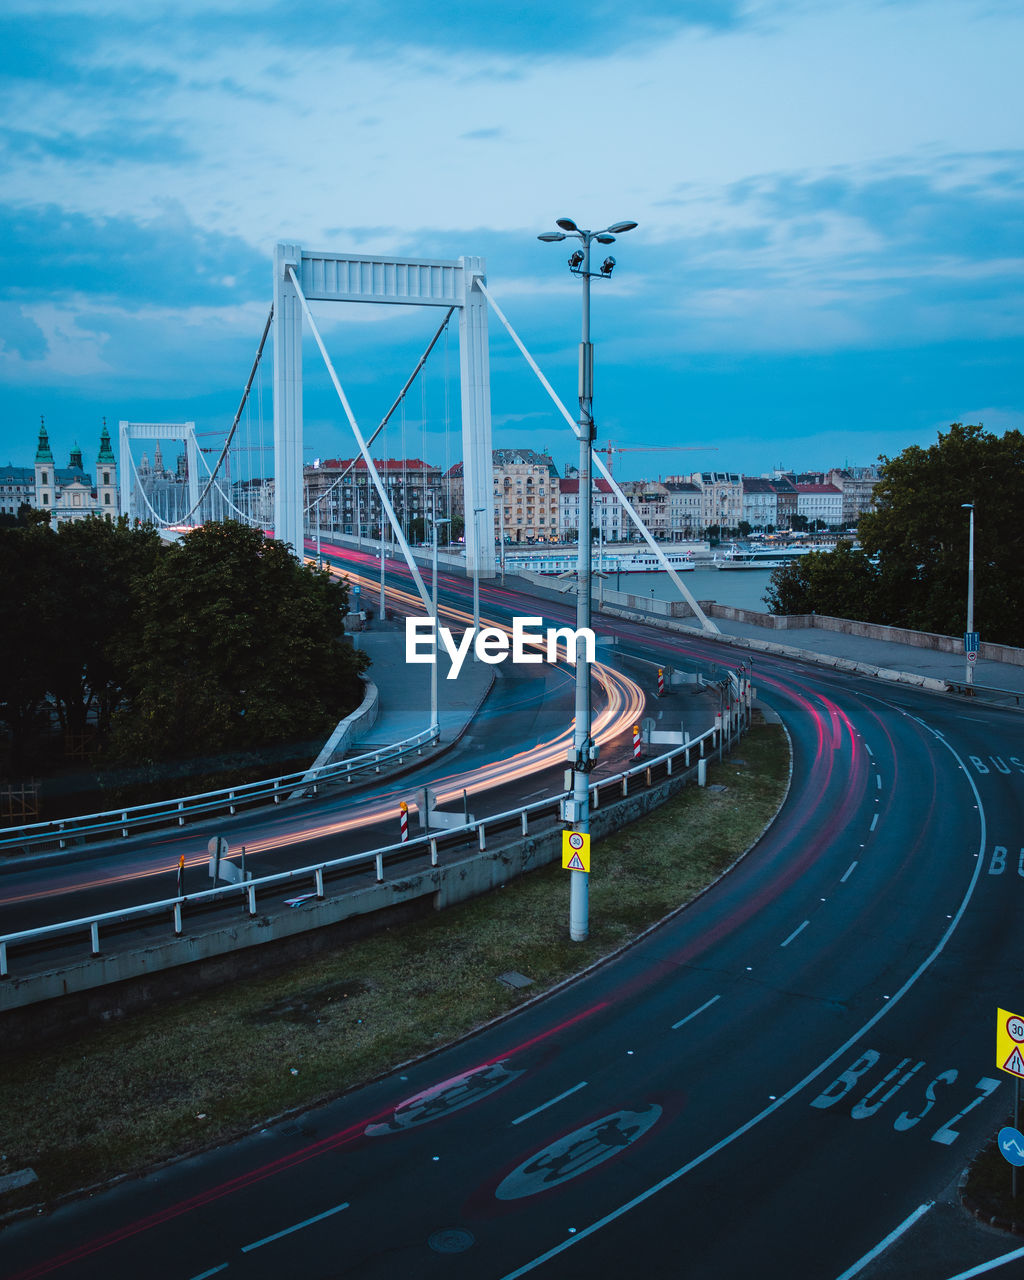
(364, 717)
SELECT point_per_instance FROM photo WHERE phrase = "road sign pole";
(1016, 1125)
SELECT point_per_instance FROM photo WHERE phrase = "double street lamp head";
(570, 228)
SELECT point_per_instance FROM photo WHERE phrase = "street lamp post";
(969, 506)
(381, 611)
(584, 750)
(476, 581)
(435, 729)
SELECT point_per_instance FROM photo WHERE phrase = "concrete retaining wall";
(869, 630)
(359, 721)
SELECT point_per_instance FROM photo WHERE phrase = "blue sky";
(830, 195)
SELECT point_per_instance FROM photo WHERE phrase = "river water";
(741, 588)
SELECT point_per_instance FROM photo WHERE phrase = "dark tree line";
(223, 642)
(911, 568)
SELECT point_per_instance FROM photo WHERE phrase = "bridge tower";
(334, 277)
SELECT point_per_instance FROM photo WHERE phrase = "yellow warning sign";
(1009, 1042)
(576, 850)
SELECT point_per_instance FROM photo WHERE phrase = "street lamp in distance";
(970, 653)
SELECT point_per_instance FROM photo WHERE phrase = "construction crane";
(610, 449)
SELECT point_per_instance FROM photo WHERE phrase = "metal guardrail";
(65, 831)
(987, 692)
(731, 723)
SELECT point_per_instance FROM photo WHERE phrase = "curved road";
(764, 1086)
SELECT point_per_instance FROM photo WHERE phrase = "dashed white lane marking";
(798, 929)
(706, 1005)
(849, 872)
(257, 1244)
(882, 1245)
(868, 749)
(874, 823)
(550, 1103)
(212, 1272)
(878, 781)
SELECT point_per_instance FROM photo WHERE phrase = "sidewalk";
(886, 658)
(886, 655)
(404, 689)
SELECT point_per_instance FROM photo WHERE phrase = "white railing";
(65, 831)
(727, 724)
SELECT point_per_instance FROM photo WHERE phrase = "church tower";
(106, 477)
(46, 476)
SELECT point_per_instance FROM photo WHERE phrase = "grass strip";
(119, 1098)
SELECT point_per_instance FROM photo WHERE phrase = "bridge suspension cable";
(399, 400)
(374, 475)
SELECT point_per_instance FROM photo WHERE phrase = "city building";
(344, 495)
(68, 493)
(526, 488)
(17, 488)
(760, 504)
(785, 501)
(857, 485)
(650, 500)
(722, 505)
(685, 502)
(606, 513)
(820, 502)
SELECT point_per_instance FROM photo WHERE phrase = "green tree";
(26, 641)
(239, 645)
(66, 596)
(919, 532)
(840, 583)
(99, 567)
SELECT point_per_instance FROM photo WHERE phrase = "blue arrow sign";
(1011, 1145)
(972, 639)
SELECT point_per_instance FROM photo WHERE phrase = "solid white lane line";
(550, 1103)
(849, 872)
(706, 1005)
(256, 1244)
(874, 823)
(882, 1245)
(212, 1272)
(798, 929)
(982, 1267)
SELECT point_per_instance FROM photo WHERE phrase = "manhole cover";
(514, 979)
(452, 1240)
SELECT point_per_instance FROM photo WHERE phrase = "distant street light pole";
(584, 750)
(476, 581)
(381, 612)
(435, 728)
(969, 506)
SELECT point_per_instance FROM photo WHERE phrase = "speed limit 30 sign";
(1010, 1042)
(576, 850)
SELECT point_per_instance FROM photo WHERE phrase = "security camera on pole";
(583, 755)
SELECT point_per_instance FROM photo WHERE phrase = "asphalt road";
(767, 1085)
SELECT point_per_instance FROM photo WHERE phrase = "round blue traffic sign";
(1011, 1145)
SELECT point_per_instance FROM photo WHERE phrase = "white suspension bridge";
(236, 487)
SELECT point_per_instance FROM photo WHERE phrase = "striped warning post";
(636, 742)
(661, 682)
(403, 809)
